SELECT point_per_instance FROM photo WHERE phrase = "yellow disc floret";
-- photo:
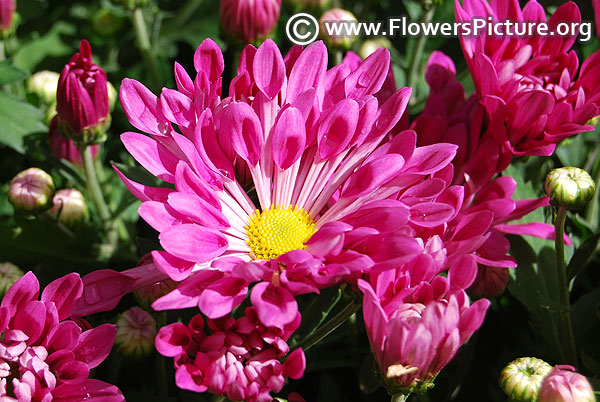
(278, 230)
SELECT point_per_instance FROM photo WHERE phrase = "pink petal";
(275, 306)
(173, 339)
(177, 107)
(288, 138)
(222, 296)
(142, 192)
(192, 242)
(89, 391)
(208, 59)
(308, 72)
(95, 344)
(337, 128)
(151, 155)
(142, 108)
(102, 290)
(372, 175)
(64, 292)
(27, 319)
(368, 78)
(269, 69)
(240, 125)
(27, 288)
(295, 364)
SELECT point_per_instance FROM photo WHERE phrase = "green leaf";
(582, 255)
(51, 44)
(10, 73)
(18, 120)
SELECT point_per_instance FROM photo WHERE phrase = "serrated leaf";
(10, 73)
(581, 256)
(18, 120)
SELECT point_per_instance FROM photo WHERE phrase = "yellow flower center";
(278, 230)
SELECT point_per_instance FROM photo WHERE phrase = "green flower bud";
(136, 329)
(337, 16)
(9, 274)
(69, 207)
(569, 187)
(112, 95)
(43, 84)
(522, 378)
(31, 190)
(370, 46)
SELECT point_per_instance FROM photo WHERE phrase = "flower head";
(43, 355)
(31, 190)
(530, 87)
(82, 99)
(249, 21)
(521, 379)
(569, 187)
(563, 384)
(69, 207)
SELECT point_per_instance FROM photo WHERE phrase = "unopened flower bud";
(136, 329)
(148, 294)
(9, 274)
(31, 191)
(370, 46)
(563, 384)
(337, 16)
(522, 378)
(82, 99)
(7, 11)
(569, 187)
(43, 84)
(249, 21)
(69, 207)
(66, 149)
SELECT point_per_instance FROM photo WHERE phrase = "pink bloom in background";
(530, 87)
(82, 98)
(7, 9)
(64, 148)
(239, 359)
(563, 384)
(248, 21)
(415, 334)
(43, 355)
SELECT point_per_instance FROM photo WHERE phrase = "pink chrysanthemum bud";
(7, 10)
(522, 378)
(82, 99)
(326, 24)
(563, 384)
(249, 21)
(9, 274)
(64, 148)
(69, 207)
(31, 190)
(136, 329)
(569, 187)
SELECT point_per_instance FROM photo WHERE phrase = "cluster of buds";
(82, 99)
(529, 379)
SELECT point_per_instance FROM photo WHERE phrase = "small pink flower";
(43, 355)
(31, 191)
(239, 359)
(69, 207)
(563, 384)
(248, 21)
(82, 99)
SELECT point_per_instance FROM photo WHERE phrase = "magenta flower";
(419, 331)
(239, 359)
(64, 148)
(82, 99)
(563, 384)
(530, 87)
(7, 9)
(307, 141)
(43, 355)
(249, 21)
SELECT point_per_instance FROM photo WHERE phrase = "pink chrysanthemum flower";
(45, 357)
(284, 182)
(235, 358)
(531, 87)
(247, 21)
(415, 331)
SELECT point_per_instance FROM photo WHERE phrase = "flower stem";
(2, 52)
(143, 39)
(65, 230)
(328, 327)
(415, 61)
(566, 329)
